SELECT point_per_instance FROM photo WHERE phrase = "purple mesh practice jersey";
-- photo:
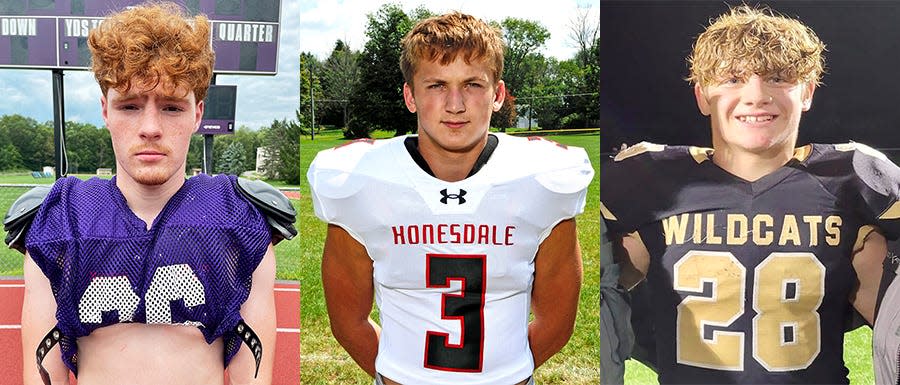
(193, 267)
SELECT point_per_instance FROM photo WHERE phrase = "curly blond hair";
(153, 44)
(748, 41)
(446, 37)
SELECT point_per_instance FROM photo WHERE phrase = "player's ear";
(104, 109)
(702, 102)
(408, 98)
(807, 94)
(499, 95)
(198, 114)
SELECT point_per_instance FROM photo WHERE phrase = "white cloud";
(325, 21)
(261, 99)
(306, 26)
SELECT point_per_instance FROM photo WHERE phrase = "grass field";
(325, 362)
(286, 252)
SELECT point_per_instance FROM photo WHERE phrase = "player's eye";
(173, 109)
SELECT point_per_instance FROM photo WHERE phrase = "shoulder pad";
(277, 208)
(854, 146)
(570, 174)
(638, 149)
(21, 214)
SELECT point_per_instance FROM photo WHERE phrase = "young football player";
(459, 234)
(755, 251)
(149, 278)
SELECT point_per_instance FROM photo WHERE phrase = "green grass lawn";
(325, 362)
(286, 252)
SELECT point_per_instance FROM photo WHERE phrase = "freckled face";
(151, 131)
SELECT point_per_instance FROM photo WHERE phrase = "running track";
(287, 350)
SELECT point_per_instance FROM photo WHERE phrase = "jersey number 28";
(788, 289)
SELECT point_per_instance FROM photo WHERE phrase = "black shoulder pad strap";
(251, 339)
(50, 340)
(21, 213)
(279, 212)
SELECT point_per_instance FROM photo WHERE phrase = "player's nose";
(455, 101)
(754, 91)
(150, 124)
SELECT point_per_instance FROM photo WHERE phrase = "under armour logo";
(459, 196)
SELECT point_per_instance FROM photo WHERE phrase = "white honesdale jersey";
(453, 261)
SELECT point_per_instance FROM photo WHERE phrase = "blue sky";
(322, 22)
(310, 26)
(261, 99)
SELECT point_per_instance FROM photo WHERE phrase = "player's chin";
(153, 176)
(460, 145)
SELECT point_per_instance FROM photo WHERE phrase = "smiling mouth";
(756, 118)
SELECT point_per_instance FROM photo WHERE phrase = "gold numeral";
(787, 291)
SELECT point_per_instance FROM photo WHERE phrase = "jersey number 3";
(787, 291)
(467, 307)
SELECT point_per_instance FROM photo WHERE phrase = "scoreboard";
(52, 34)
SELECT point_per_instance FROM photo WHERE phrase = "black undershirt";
(412, 146)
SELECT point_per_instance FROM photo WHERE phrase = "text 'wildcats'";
(760, 229)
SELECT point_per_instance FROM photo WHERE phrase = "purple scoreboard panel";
(218, 110)
(52, 34)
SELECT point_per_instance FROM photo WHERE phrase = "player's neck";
(145, 201)
(450, 166)
(748, 165)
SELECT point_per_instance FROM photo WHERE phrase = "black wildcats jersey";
(750, 281)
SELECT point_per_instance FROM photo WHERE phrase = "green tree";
(310, 77)
(521, 62)
(232, 161)
(249, 141)
(592, 84)
(88, 148)
(340, 80)
(195, 153)
(546, 104)
(10, 159)
(379, 102)
(282, 142)
(33, 140)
